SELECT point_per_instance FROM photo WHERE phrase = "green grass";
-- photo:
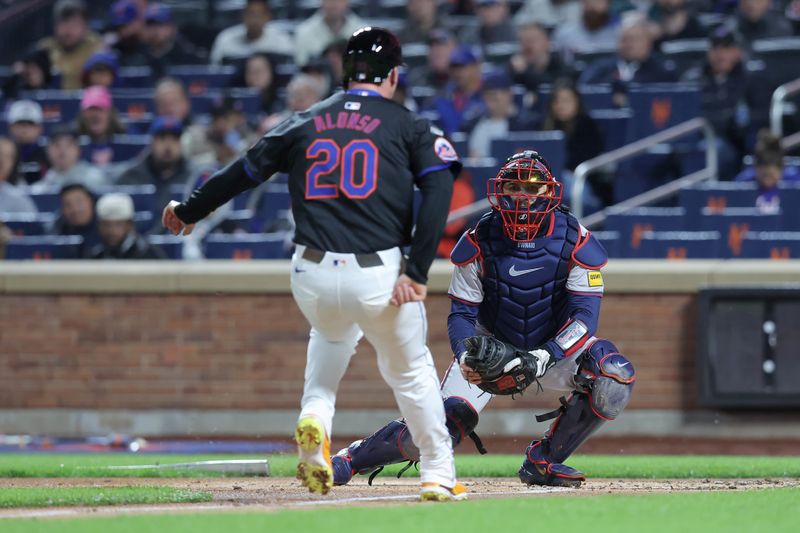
(775, 511)
(596, 466)
(91, 496)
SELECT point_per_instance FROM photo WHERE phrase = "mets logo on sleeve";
(595, 279)
(444, 150)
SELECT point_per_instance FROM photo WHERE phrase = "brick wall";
(248, 352)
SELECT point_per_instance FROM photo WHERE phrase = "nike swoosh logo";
(626, 363)
(513, 272)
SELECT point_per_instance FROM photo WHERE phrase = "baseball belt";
(363, 260)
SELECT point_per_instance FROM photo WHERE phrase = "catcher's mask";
(524, 192)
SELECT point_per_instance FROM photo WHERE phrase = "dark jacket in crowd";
(91, 237)
(584, 140)
(606, 70)
(144, 172)
(772, 25)
(726, 102)
(532, 78)
(134, 246)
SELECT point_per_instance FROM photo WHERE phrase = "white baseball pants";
(341, 300)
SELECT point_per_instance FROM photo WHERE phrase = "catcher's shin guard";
(392, 443)
(606, 378)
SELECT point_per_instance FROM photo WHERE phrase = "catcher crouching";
(526, 292)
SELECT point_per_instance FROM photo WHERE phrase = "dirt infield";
(270, 494)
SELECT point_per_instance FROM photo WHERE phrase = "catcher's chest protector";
(525, 283)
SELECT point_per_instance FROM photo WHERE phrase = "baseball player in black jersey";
(353, 161)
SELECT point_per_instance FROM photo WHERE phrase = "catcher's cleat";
(343, 470)
(536, 470)
(434, 492)
(314, 469)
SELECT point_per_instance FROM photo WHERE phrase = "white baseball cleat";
(434, 492)
(314, 468)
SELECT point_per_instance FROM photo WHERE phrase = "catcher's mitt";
(503, 368)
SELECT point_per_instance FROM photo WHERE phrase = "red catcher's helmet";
(524, 192)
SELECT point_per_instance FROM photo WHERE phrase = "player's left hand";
(469, 374)
(172, 222)
(407, 290)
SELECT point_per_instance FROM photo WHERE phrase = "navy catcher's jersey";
(353, 160)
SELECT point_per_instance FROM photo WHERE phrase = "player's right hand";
(173, 223)
(407, 290)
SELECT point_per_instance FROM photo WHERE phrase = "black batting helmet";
(370, 55)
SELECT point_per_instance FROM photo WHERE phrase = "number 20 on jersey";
(356, 163)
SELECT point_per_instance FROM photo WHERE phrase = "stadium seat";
(717, 196)
(199, 79)
(613, 124)
(550, 144)
(48, 201)
(57, 106)
(134, 103)
(144, 196)
(778, 58)
(171, 244)
(631, 225)
(677, 245)
(771, 245)
(143, 221)
(122, 148)
(273, 199)
(685, 53)
(595, 97)
(135, 77)
(661, 105)
(734, 222)
(246, 246)
(27, 223)
(43, 247)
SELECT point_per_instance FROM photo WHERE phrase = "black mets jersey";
(353, 160)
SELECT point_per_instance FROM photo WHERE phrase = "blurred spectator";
(163, 165)
(494, 25)
(320, 70)
(25, 128)
(127, 33)
(536, 63)
(727, 96)
(635, 61)
(77, 216)
(171, 100)
(101, 69)
(423, 17)
(596, 30)
(255, 34)
(99, 121)
(118, 236)
(301, 93)
(30, 74)
(461, 101)
(401, 95)
(333, 21)
(64, 152)
(549, 13)
(13, 199)
(502, 116)
(674, 20)
(5, 236)
(72, 42)
(436, 72)
(333, 55)
(257, 73)
(566, 113)
(754, 20)
(768, 171)
(165, 46)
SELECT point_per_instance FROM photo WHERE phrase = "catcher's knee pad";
(461, 418)
(608, 377)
